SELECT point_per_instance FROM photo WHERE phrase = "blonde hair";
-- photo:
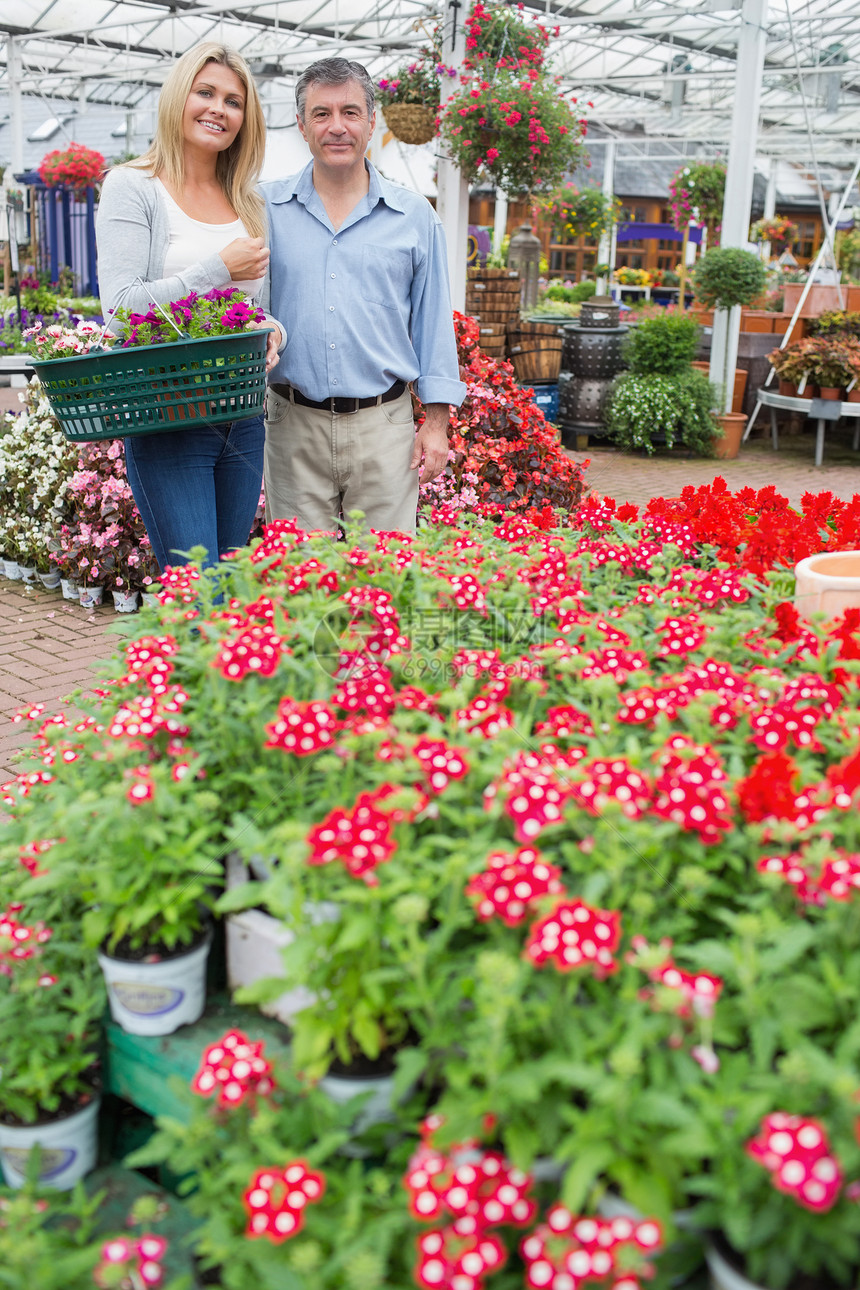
(238, 167)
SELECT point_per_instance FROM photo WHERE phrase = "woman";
(186, 217)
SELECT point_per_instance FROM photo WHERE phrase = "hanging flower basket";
(410, 122)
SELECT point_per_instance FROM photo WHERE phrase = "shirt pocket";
(386, 276)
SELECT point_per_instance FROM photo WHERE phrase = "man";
(359, 276)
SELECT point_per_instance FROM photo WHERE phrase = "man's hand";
(431, 442)
(272, 341)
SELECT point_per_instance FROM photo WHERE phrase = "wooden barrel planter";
(535, 350)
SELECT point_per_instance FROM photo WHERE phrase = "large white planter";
(157, 998)
(723, 1275)
(828, 583)
(254, 943)
(255, 940)
(68, 1148)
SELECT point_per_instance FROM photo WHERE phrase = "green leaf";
(589, 1164)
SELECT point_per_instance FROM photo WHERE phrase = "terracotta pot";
(853, 396)
(741, 375)
(732, 425)
(810, 392)
(758, 320)
(828, 583)
(788, 388)
(831, 392)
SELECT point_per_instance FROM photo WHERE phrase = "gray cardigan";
(132, 238)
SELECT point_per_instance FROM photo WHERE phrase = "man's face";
(336, 127)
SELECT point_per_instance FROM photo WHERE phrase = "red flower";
(797, 1153)
(574, 935)
(276, 1199)
(234, 1068)
(302, 728)
(360, 838)
(511, 884)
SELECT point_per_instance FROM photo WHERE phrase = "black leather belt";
(340, 403)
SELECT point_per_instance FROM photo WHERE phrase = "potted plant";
(517, 130)
(696, 192)
(835, 361)
(724, 278)
(59, 1243)
(648, 411)
(51, 1001)
(663, 345)
(76, 167)
(152, 865)
(410, 98)
(777, 229)
(582, 212)
(296, 1204)
(793, 366)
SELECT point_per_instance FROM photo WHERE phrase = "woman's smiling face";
(214, 110)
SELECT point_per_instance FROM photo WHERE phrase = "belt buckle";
(343, 400)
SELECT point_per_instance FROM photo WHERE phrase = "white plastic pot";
(149, 598)
(50, 580)
(28, 572)
(124, 602)
(69, 588)
(254, 941)
(378, 1107)
(828, 583)
(11, 570)
(68, 1148)
(157, 998)
(723, 1275)
(90, 596)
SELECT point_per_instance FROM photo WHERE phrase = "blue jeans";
(197, 487)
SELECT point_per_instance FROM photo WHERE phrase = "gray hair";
(334, 71)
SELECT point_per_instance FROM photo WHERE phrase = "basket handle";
(135, 282)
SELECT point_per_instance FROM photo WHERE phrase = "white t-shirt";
(192, 240)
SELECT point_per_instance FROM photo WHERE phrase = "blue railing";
(65, 232)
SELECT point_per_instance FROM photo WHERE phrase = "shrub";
(663, 346)
(676, 410)
(727, 276)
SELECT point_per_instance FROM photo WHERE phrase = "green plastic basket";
(115, 393)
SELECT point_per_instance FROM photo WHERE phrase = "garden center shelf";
(823, 411)
(139, 1066)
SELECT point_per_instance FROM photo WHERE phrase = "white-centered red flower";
(136, 1263)
(234, 1070)
(511, 884)
(302, 728)
(575, 935)
(276, 1200)
(796, 1152)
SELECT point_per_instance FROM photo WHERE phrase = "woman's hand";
(245, 257)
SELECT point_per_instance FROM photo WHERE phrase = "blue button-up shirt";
(366, 305)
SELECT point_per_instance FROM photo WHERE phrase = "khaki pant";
(319, 465)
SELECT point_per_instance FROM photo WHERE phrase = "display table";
(618, 290)
(821, 410)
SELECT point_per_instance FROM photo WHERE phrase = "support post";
(739, 178)
(682, 284)
(16, 112)
(769, 204)
(500, 221)
(606, 246)
(452, 203)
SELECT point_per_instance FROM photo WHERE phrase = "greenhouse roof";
(656, 69)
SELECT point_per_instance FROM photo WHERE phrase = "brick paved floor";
(48, 645)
